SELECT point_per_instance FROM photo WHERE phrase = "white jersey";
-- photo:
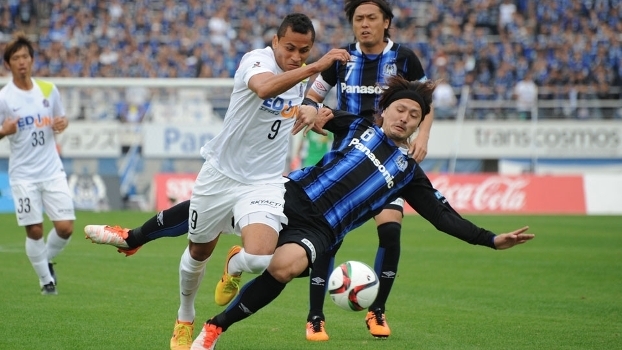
(253, 144)
(34, 157)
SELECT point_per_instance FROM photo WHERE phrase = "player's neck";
(375, 49)
(23, 83)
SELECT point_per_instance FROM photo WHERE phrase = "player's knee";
(255, 264)
(389, 234)
(65, 230)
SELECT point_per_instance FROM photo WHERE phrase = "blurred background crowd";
(570, 49)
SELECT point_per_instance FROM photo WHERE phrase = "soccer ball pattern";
(353, 286)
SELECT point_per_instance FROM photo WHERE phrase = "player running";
(31, 113)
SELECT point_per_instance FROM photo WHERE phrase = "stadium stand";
(571, 48)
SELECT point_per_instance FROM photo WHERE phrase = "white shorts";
(32, 198)
(219, 203)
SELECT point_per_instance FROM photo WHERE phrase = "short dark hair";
(351, 6)
(299, 23)
(19, 40)
(396, 84)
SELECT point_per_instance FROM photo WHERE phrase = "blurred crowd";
(569, 49)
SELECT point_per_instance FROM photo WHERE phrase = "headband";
(411, 95)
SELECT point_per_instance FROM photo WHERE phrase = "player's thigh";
(28, 203)
(259, 216)
(57, 200)
(211, 205)
(392, 212)
(288, 262)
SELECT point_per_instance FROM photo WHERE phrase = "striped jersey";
(365, 172)
(359, 81)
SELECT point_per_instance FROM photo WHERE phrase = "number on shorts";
(193, 219)
(24, 205)
(38, 138)
(275, 129)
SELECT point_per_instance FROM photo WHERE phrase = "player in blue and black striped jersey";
(351, 184)
(358, 84)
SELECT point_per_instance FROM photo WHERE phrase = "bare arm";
(267, 85)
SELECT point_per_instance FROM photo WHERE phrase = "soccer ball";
(353, 286)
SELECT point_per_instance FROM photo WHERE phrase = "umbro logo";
(318, 281)
(16, 109)
(388, 274)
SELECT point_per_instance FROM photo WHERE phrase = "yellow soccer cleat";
(182, 335)
(229, 285)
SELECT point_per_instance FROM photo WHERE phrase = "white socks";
(244, 262)
(37, 254)
(55, 244)
(190, 275)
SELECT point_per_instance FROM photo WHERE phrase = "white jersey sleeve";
(34, 157)
(253, 144)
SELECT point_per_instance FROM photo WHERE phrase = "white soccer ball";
(353, 286)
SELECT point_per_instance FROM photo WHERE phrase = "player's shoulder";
(45, 86)
(403, 50)
(258, 58)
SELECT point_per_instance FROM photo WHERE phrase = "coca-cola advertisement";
(525, 194)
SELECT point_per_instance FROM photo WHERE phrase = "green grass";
(562, 290)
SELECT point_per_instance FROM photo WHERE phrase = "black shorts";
(397, 204)
(306, 226)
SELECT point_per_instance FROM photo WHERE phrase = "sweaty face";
(401, 119)
(292, 50)
(20, 62)
(368, 25)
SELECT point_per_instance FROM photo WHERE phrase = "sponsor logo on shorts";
(311, 248)
(267, 203)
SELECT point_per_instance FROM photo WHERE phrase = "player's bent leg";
(289, 261)
(259, 237)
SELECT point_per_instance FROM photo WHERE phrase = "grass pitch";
(562, 290)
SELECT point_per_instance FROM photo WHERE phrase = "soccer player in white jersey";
(241, 179)
(30, 114)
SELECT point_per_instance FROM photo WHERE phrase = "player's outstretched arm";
(509, 240)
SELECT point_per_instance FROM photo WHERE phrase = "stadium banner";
(83, 140)
(516, 139)
(170, 189)
(6, 198)
(591, 194)
(90, 140)
(94, 192)
(498, 194)
(177, 141)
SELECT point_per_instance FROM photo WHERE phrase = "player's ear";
(275, 42)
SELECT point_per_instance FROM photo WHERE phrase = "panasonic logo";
(388, 178)
(355, 89)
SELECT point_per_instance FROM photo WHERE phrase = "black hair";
(20, 40)
(351, 6)
(299, 23)
(396, 86)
